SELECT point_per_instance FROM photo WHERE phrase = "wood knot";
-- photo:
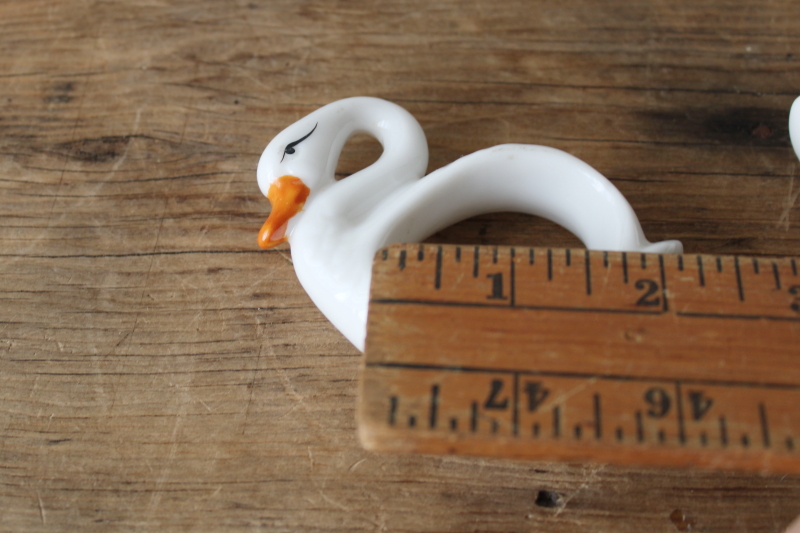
(682, 521)
(548, 499)
(61, 93)
(762, 131)
(97, 150)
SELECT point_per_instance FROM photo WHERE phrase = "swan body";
(335, 228)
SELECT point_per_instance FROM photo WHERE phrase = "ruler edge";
(375, 439)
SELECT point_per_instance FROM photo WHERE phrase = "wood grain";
(159, 372)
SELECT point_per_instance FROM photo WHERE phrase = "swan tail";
(663, 247)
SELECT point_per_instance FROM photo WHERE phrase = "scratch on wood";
(332, 501)
(355, 465)
(42, 514)
(572, 392)
(134, 131)
(788, 204)
(252, 387)
(155, 499)
(288, 259)
(588, 480)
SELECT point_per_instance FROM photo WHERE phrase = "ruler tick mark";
(794, 267)
(530, 256)
(745, 440)
(789, 443)
(588, 274)
(755, 265)
(568, 256)
(512, 282)
(401, 263)
(392, 410)
(437, 283)
(434, 406)
(535, 429)
(556, 422)
(625, 267)
(723, 432)
(475, 263)
(458, 254)
(644, 262)
(473, 422)
(704, 439)
(384, 254)
(549, 264)
(738, 277)
(701, 276)
(578, 432)
(421, 252)
(495, 426)
(515, 406)
(454, 424)
(762, 416)
(598, 422)
(639, 427)
(494, 255)
(680, 263)
(605, 259)
(620, 434)
(412, 421)
(662, 437)
(719, 264)
(679, 406)
(777, 275)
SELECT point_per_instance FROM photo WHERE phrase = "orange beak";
(287, 195)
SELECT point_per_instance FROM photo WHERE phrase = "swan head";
(292, 167)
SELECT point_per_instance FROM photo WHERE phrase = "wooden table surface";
(160, 372)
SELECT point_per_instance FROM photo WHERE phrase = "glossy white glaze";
(334, 238)
(794, 126)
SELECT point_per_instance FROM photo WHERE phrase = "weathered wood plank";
(158, 372)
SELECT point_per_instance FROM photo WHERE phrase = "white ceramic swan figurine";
(335, 228)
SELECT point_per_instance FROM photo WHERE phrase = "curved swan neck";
(404, 157)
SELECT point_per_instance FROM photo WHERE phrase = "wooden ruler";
(554, 354)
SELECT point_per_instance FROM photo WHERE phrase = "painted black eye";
(290, 147)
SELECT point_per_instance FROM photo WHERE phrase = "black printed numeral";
(649, 298)
(497, 286)
(494, 400)
(659, 402)
(794, 290)
(536, 394)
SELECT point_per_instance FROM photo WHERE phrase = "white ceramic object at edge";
(342, 224)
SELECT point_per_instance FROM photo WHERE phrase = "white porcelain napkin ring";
(335, 228)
